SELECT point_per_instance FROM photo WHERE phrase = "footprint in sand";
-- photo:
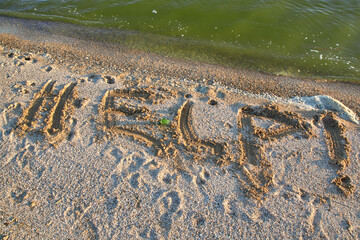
(170, 203)
(18, 195)
(26, 162)
(134, 180)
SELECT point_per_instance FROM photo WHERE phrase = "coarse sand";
(103, 142)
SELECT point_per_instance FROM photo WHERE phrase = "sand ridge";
(54, 125)
(28, 115)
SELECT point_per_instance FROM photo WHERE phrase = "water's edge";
(180, 48)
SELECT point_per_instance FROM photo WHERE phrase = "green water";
(316, 38)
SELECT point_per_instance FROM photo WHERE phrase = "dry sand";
(83, 155)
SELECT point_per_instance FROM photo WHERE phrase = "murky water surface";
(317, 38)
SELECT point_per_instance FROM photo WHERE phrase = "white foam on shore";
(324, 102)
(318, 102)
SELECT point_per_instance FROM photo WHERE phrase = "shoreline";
(295, 65)
(69, 51)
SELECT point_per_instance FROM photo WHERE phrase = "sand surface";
(83, 155)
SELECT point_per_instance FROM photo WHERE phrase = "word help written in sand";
(128, 112)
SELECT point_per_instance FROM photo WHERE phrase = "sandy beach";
(103, 142)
